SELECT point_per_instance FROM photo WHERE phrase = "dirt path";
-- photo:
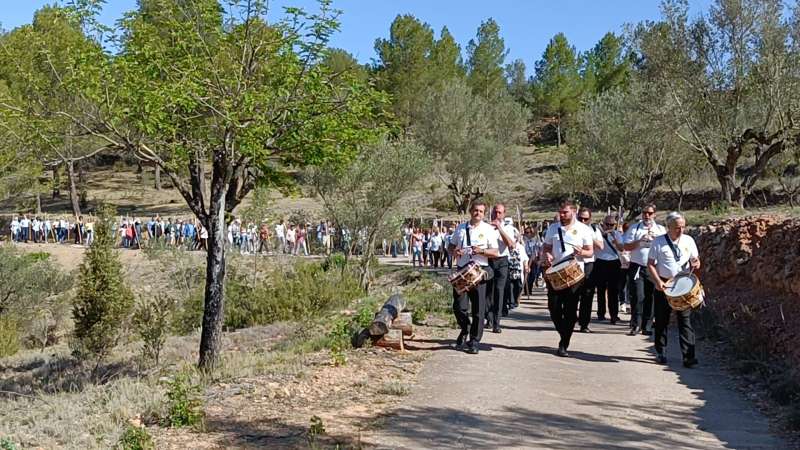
(608, 394)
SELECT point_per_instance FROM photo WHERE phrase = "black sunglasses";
(584, 219)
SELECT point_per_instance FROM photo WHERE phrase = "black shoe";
(634, 331)
(460, 341)
(585, 330)
(472, 348)
(660, 358)
(562, 352)
(497, 330)
(614, 320)
(601, 318)
(647, 332)
(690, 362)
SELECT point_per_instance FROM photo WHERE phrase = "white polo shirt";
(607, 253)
(597, 236)
(635, 232)
(662, 255)
(512, 232)
(577, 234)
(482, 235)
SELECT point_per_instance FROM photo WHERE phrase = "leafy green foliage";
(607, 66)
(368, 197)
(135, 438)
(486, 55)
(103, 300)
(7, 444)
(468, 136)
(557, 86)
(9, 337)
(185, 404)
(151, 320)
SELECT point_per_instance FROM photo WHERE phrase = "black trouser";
(497, 289)
(607, 275)
(685, 329)
(640, 296)
(436, 258)
(449, 259)
(516, 290)
(563, 307)
(587, 295)
(472, 303)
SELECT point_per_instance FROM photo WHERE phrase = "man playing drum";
(566, 238)
(474, 241)
(670, 255)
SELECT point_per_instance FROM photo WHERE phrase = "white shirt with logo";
(636, 232)
(578, 234)
(662, 255)
(483, 236)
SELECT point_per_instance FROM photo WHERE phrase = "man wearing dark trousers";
(473, 241)
(607, 270)
(589, 281)
(637, 241)
(565, 239)
(671, 254)
(499, 285)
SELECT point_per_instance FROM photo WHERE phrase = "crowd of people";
(621, 264)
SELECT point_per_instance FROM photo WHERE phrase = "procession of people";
(644, 264)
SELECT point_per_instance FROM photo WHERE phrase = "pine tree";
(557, 86)
(517, 82)
(606, 67)
(485, 57)
(103, 300)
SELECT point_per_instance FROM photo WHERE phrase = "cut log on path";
(383, 319)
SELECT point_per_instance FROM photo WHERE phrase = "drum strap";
(672, 247)
(561, 241)
(611, 245)
(466, 228)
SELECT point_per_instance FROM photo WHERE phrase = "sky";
(525, 25)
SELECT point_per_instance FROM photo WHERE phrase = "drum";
(467, 277)
(564, 275)
(684, 292)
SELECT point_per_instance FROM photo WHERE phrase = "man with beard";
(566, 238)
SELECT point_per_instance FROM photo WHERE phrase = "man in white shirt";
(607, 270)
(499, 285)
(589, 283)
(671, 254)
(280, 233)
(474, 241)
(25, 230)
(566, 238)
(637, 240)
(15, 229)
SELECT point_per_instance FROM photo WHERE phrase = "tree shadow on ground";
(274, 434)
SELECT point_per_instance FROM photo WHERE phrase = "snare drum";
(564, 275)
(467, 277)
(684, 292)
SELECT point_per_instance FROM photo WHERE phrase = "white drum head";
(681, 285)
(559, 266)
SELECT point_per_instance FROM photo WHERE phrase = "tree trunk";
(213, 312)
(73, 189)
(38, 203)
(558, 133)
(158, 177)
(56, 183)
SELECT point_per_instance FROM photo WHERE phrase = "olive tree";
(469, 136)
(369, 197)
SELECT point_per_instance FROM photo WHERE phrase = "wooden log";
(383, 319)
(404, 323)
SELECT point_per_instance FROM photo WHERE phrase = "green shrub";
(9, 337)
(151, 319)
(334, 261)
(103, 301)
(185, 405)
(316, 428)
(135, 438)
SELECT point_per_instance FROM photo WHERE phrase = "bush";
(334, 261)
(7, 444)
(185, 403)
(9, 337)
(103, 301)
(297, 292)
(151, 319)
(135, 438)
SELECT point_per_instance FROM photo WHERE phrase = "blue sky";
(526, 25)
